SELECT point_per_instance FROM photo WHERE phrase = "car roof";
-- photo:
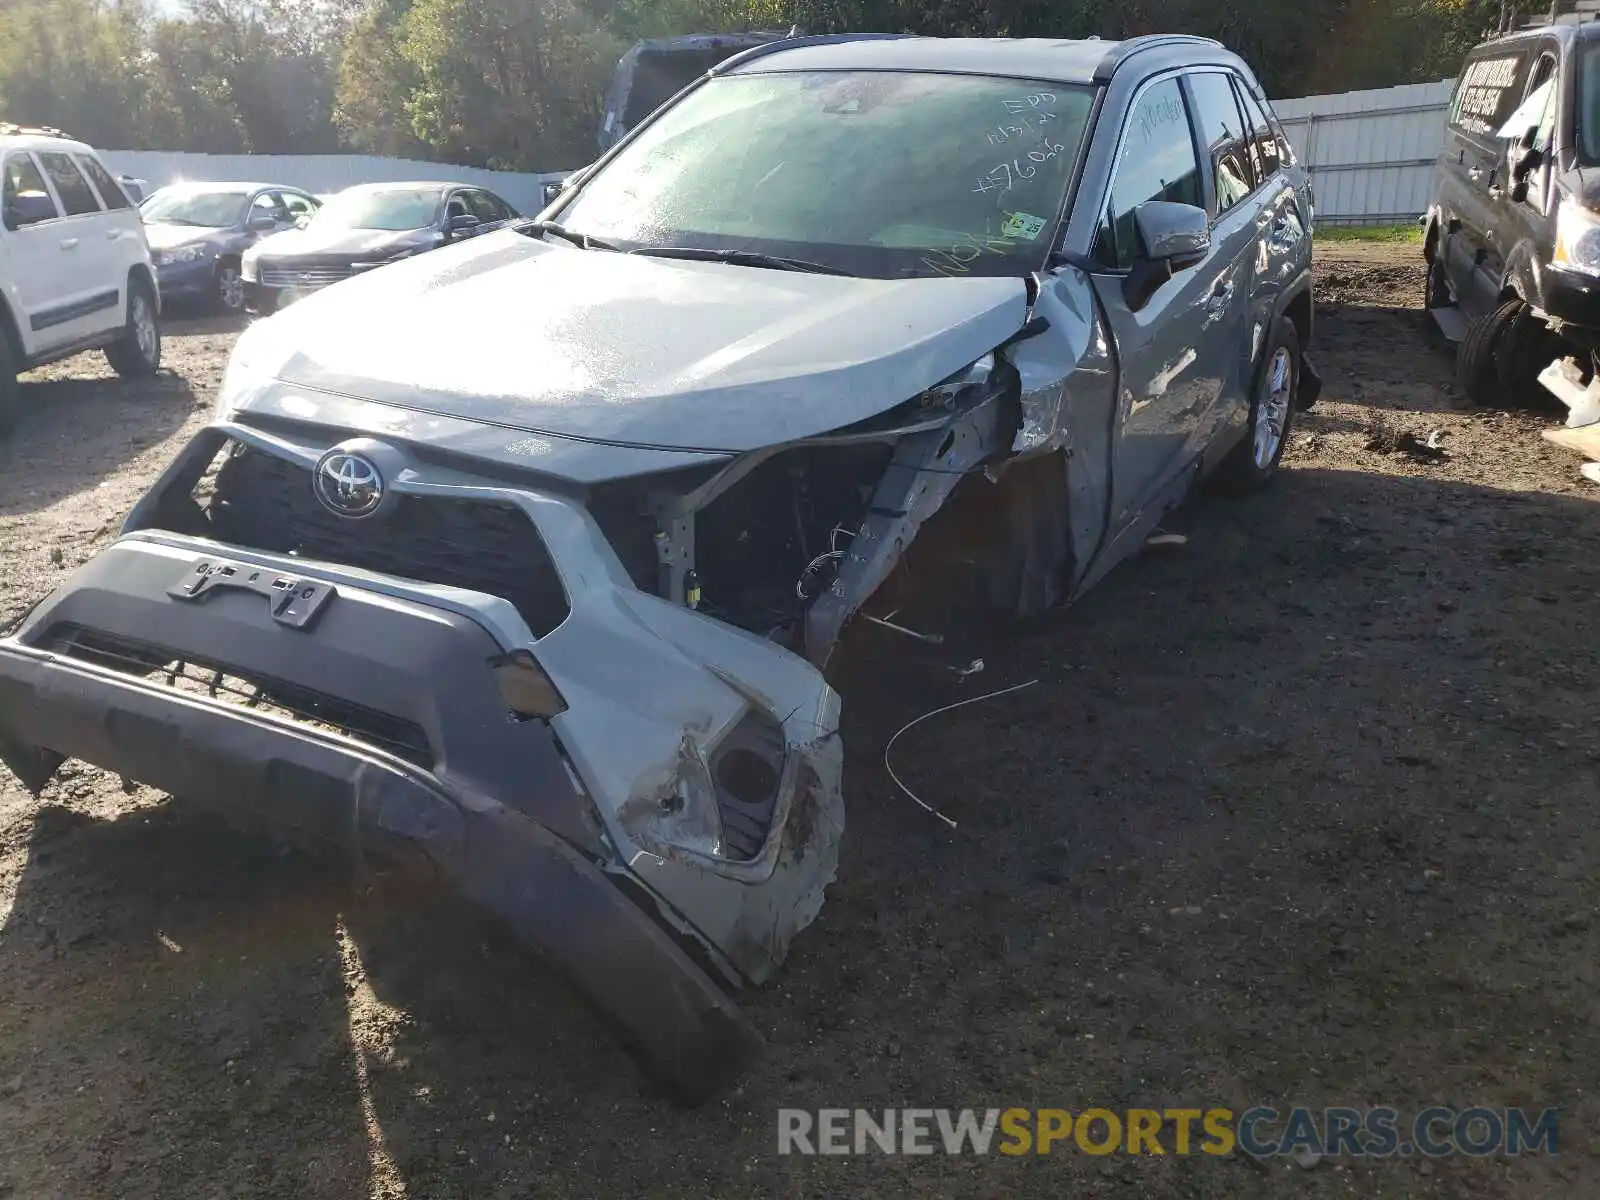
(404, 186)
(43, 141)
(1582, 31)
(212, 185)
(1085, 61)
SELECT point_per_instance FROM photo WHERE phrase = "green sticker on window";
(1023, 225)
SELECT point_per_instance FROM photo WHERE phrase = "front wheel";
(1254, 461)
(230, 288)
(137, 352)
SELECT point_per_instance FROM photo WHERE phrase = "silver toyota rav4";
(523, 560)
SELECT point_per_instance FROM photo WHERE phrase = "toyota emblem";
(348, 484)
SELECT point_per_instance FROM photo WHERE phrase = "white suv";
(75, 270)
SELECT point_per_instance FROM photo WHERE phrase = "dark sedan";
(365, 227)
(199, 232)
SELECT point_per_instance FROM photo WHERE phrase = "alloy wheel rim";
(231, 287)
(1272, 415)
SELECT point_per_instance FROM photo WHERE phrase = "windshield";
(1587, 118)
(881, 173)
(214, 210)
(401, 208)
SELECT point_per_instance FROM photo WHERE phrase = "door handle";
(69, 243)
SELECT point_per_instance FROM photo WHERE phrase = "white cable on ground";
(916, 799)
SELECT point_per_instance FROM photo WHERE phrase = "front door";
(1172, 349)
(1474, 183)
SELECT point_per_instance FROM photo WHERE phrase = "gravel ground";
(1301, 812)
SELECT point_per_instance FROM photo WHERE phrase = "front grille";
(303, 274)
(266, 503)
(383, 731)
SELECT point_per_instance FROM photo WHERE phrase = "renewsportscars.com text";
(1261, 1132)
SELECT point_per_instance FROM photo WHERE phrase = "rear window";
(1489, 91)
(77, 197)
(110, 191)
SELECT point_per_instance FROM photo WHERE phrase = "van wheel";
(1253, 463)
(10, 391)
(1487, 352)
(137, 352)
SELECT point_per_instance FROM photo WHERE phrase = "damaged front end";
(595, 706)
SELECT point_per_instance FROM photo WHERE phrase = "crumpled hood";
(163, 236)
(338, 240)
(519, 333)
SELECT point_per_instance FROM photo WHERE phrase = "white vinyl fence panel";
(321, 173)
(1370, 153)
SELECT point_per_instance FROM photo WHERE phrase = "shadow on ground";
(74, 432)
(1303, 812)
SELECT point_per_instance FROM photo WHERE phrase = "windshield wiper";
(582, 240)
(740, 258)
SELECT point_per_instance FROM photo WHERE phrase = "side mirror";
(261, 221)
(29, 208)
(1172, 238)
(461, 223)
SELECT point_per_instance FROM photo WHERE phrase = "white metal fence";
(320, 173)
(1370, 153)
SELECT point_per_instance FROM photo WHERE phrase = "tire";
(229, 298)
(1499, 356)
(136, 354)
(10, 391)
(1253, 463)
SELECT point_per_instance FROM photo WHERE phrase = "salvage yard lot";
(1305, 811)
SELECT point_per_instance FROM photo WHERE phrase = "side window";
(482, 206)
(298, 205)
(1157, 161)
(24, 196)
(1489, 90)
(77, 197)
(457, 207)
(1225, 136)
(1264, 140)
(266, 205)
(111, 193)
(507, 213)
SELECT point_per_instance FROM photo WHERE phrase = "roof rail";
(10, 129)
(790, 43)
(1120, 52)
(1560, 12)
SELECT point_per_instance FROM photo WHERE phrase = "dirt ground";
(1302, 812)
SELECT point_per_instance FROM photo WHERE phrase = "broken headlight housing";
(1577, 238)
(933, 406)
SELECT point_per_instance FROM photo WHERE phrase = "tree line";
(518, 84)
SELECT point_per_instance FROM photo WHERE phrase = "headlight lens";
(1577, 238)
(183, 254)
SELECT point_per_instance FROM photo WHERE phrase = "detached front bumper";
(367, 714)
